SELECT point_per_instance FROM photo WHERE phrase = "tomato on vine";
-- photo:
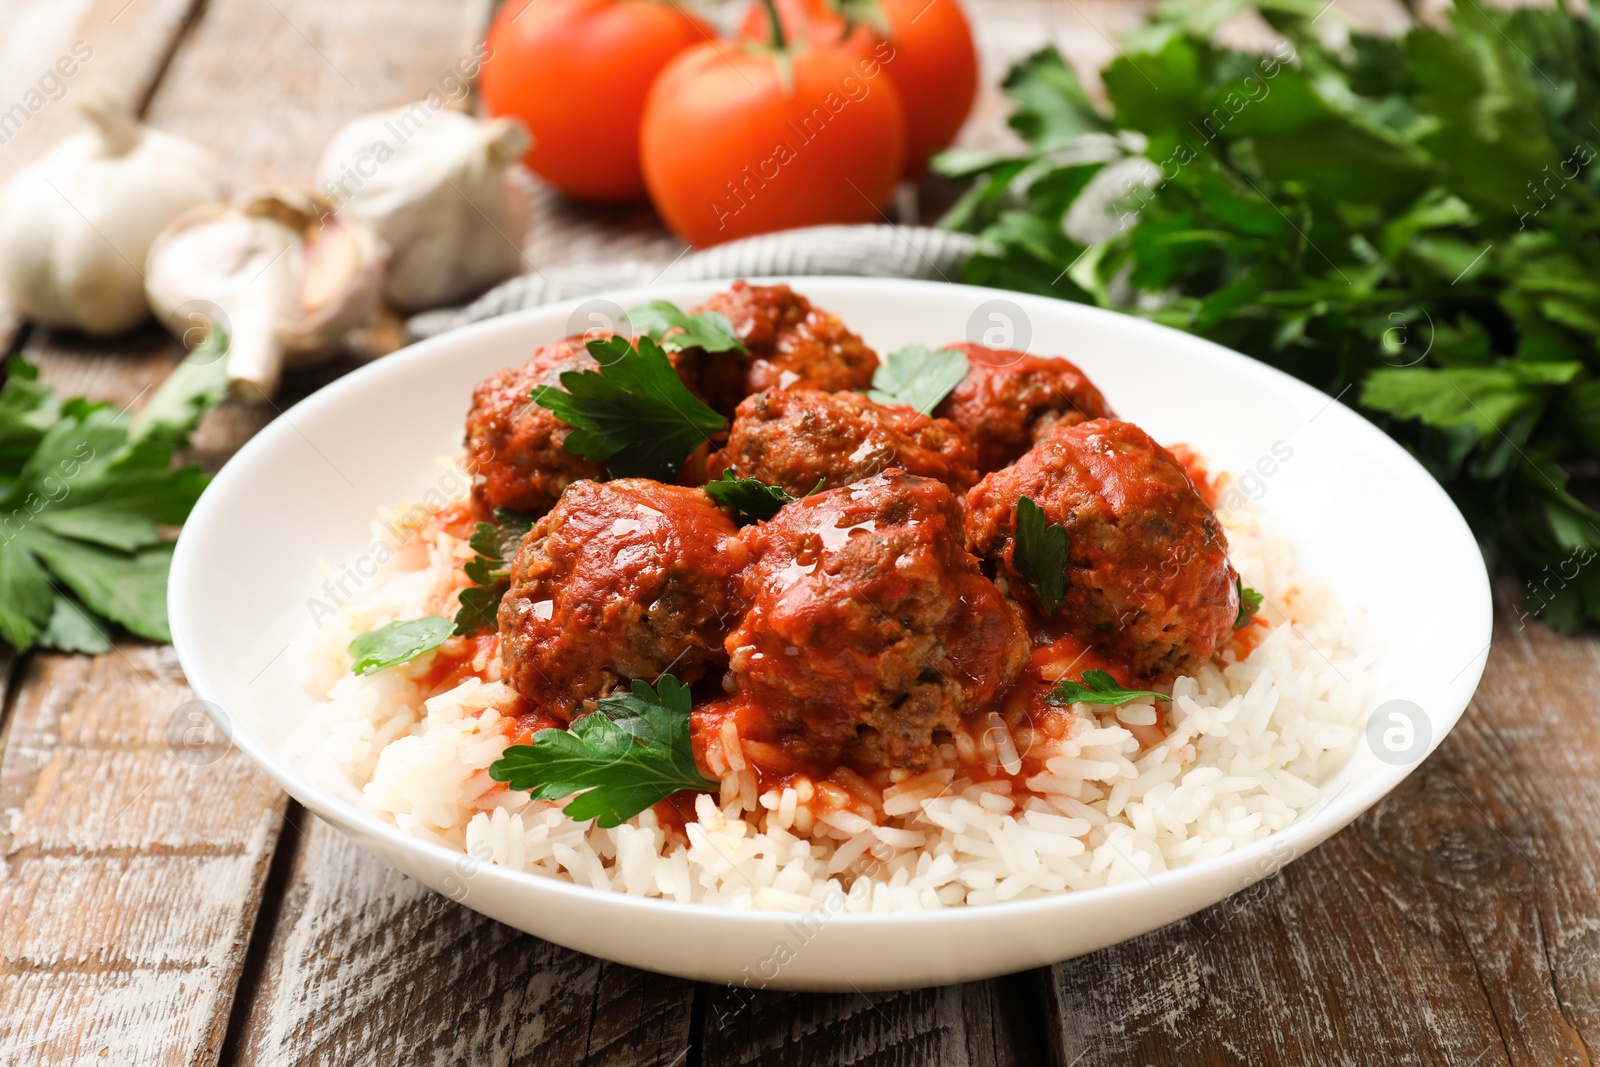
(748, 137)
(934, 62)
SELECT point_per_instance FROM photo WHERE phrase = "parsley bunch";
(1410, 223)
(88, 497)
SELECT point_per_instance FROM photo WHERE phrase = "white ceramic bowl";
(1356, 507)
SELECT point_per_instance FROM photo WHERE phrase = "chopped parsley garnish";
(1249, 604)
(751, 499)
(631, 752)
(918, 377)
(708, 330)
(1097, 687)
(490, 570)
(1040, 554)
(86, 495)
(633, 413)
(398, 642)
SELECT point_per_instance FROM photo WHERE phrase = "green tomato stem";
(779, 42)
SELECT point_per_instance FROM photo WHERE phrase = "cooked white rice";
(1248, 744)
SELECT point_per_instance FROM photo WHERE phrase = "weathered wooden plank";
(367, 966)
(993, 1022)
(132, 881)
(129, 875)
(1455, 923)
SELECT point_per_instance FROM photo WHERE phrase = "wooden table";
(157, 912)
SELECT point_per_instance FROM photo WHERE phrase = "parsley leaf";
(917, 376)
(1249, 604)
(490, 570)
(633, 413)
(1097, 687)
(631, 752)
(398, 642)
(85, 501)
(1040, 554)
(709, 330)
(27, 409)
(194, 387)
(752, 499)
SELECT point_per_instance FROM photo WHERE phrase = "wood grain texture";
(128, 877)
(366, 966)
(1458, 922)
(994, 1022)
(132, 881)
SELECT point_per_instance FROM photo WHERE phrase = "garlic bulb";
(445, 192)
(286, 277)
(76, 225)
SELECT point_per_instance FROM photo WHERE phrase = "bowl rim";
(1310, 828)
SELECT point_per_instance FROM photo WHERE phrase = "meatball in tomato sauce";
(622, 579)
(1147, 575)
(515, 448)
(870, 625)
(1009, 400)
(789, 345)
(802, 438)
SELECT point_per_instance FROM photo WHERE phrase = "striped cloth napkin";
(869, 251)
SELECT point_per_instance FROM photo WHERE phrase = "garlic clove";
(286, 277)
(76, 226)
(343, 278)
(445, 191)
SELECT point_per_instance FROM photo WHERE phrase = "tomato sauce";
(1195, 467)
(458, 659)
(780, 757)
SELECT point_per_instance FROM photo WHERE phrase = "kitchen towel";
(868, 251)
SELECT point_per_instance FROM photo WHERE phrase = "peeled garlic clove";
(446, 192)
(286, 278)
(75, 226)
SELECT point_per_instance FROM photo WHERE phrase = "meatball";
(515, 447)
(622, 579)
(790, 345)
(796, 438)
(1009, 400)
(866, 611)
(1147, 577)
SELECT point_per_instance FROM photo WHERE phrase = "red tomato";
(935, 64)
(734, 145)
(576, 72)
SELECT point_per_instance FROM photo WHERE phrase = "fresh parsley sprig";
(1249, 604)
(1097, 687)
(490, 570)
(708, 330)
(631, 752)
(633, 413)
(1040, 554)
(398, 642)
(918, 377)
(751, 499)
(86, 498)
